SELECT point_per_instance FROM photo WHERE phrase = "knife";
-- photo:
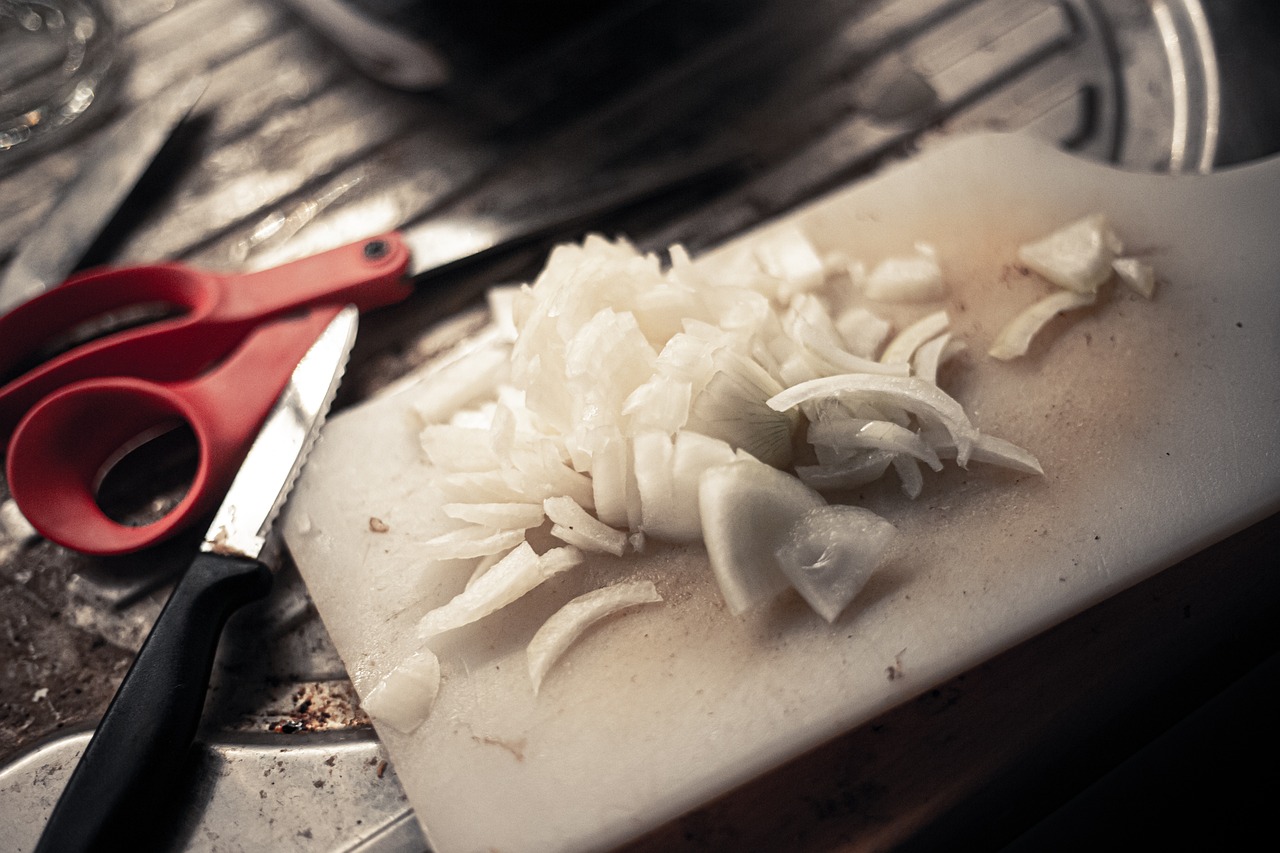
(141, 745)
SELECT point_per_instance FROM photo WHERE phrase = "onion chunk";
(1077, 256)
(831, 552)
(403, 698)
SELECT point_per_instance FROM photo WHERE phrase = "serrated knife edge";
(242, 523)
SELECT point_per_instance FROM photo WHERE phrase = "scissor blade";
(113, 167)
(278, 453)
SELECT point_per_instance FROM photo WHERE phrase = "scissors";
(216, 360)
(218, 365)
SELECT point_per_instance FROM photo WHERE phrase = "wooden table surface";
(292, 150)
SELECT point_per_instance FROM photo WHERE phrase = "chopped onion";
(1077, 256)
(748, 509)
(661, 403)
(510, 578)
(859, 434)
(483, 565)
(846, 474)
(654, 455)
(537, 471)
(574, 525)
(611, 478)
(1136, 274)
(477, 487)
(904, 345)
(787, 254)
(987, 449)
(932, 354)
(504, 516)
(568, 623)
(922, 399)
(914, 278)
(1015, 338)
(457, 448)
(477, 541)
(831, 552)
(501, 302)
(840, 360)
(734, 408)
(862, 331)
(461, 382)
(909, 473)
(692, 453)
(403, 698)
(667, 476)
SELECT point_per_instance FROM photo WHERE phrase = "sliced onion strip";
(518, 573)
(922, 399)
(1015, 338)
(575, 526)
(567, 624)
(906, 342)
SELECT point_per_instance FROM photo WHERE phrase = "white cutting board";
(1157, 423)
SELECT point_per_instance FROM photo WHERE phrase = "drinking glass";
(54, 59)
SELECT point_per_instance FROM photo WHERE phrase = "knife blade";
(138, 752)
(112, 168)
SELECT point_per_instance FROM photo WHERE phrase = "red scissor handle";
(216, 313)
(62, 446)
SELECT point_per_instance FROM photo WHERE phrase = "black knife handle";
(144, 739)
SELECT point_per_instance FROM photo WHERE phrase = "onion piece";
(477, 487)
(989, 450)
(459, 383)
(653, 454)
(839, 359)
(668, 471)
(1015, 338)
(856, 433)
(906, 342)
(862, 331)
(610, 478)
(748, 509)
(847, 474)
(404, 696)
(501, 301)
(661, 403)
(457, 448)
(831, 552)
(920, 398)
(931, 356)
(787, 254)
(912, 278)
(504, 516)
(538, 472)
(483, 565)
(574, 525)
(909, 473)
(733, 407)
(475, 541)
(510, 578)
(1136, 274)
(1077, 256)
(568, 623)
